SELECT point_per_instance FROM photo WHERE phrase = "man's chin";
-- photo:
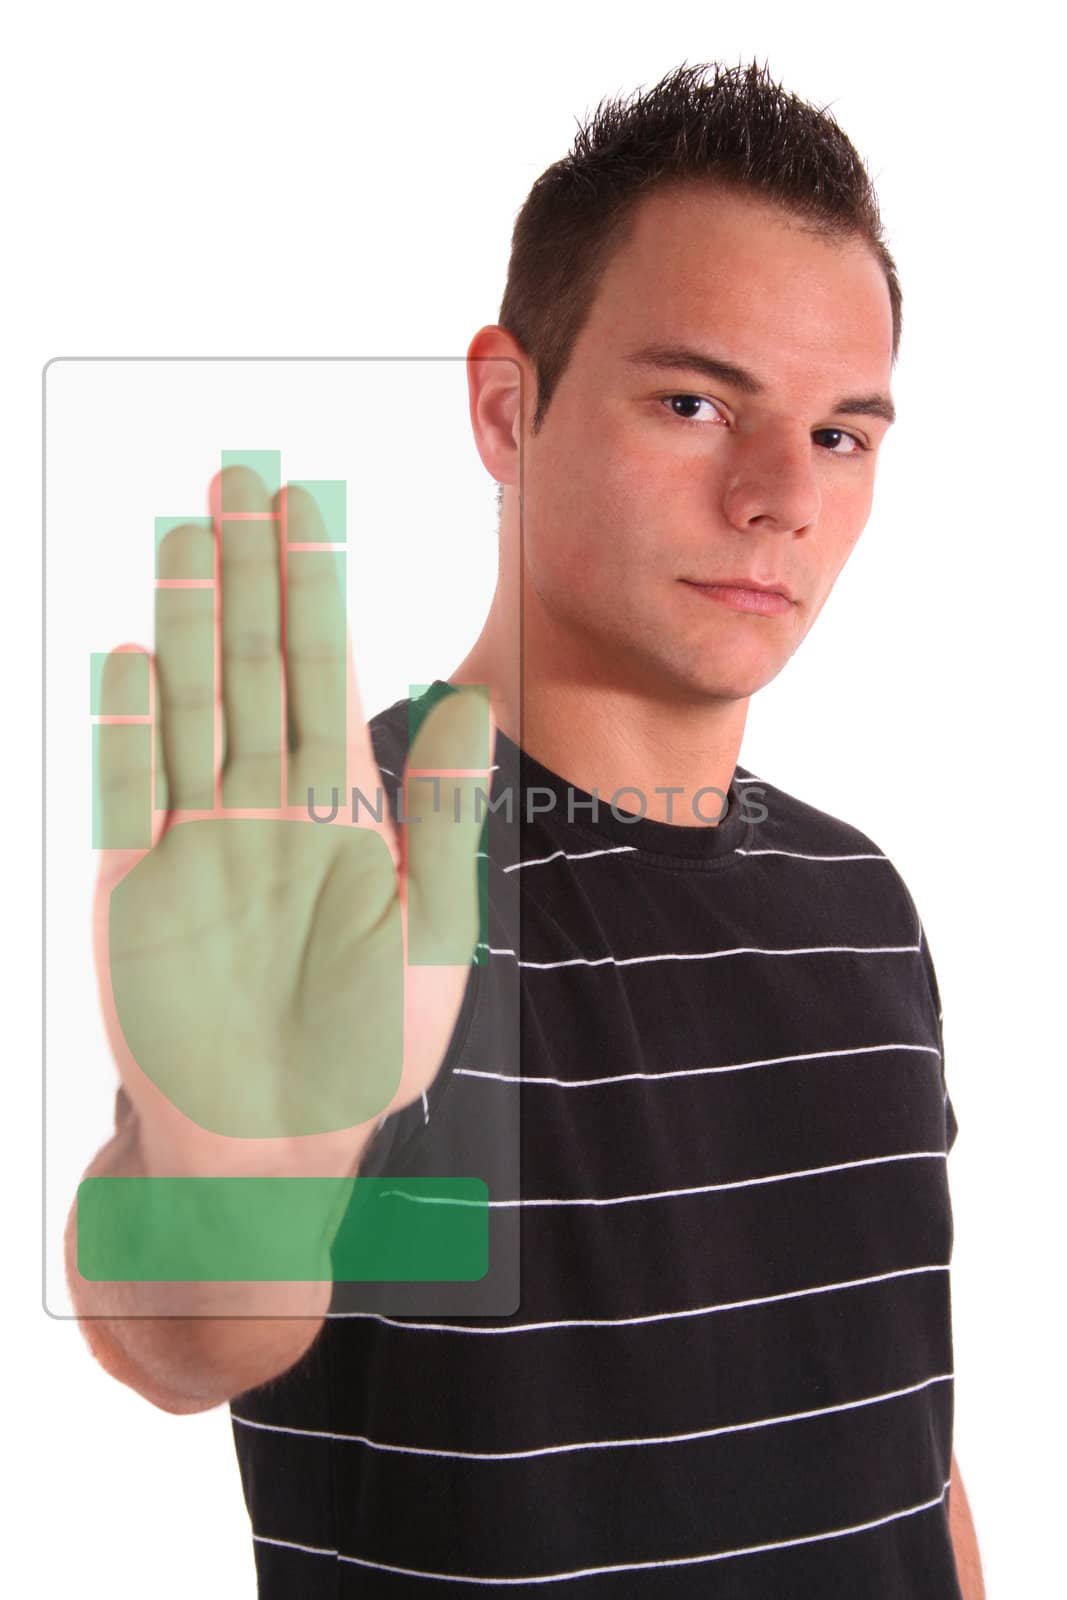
(732, 681)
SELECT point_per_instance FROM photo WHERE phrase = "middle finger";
(251, 644)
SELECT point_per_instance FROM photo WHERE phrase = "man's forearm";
(964, 1539)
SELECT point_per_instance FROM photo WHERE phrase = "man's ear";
(497, 371)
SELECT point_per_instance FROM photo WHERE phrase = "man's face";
(645, 479)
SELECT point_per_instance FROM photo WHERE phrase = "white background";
(253, 180)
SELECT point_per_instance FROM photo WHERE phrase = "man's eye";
(689, 400)
(839, 436)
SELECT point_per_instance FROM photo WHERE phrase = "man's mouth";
(744, 594)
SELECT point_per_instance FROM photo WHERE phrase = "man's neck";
(655, 755)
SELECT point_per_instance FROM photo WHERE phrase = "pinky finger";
(123, 821)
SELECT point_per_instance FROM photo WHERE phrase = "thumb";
(444, 794)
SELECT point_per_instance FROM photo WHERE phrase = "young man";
(730, 1372)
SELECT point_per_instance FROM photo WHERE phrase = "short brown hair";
(740, 131)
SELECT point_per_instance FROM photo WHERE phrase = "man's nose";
(772, 481)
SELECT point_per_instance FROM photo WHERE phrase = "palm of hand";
(257, 967)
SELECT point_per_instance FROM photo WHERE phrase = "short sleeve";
(951, 1125)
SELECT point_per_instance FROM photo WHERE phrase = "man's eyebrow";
(679, 358)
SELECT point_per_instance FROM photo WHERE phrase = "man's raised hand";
(274, 985)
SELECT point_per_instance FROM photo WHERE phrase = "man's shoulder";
(794, 825)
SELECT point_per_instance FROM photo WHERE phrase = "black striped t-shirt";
(726, 1368)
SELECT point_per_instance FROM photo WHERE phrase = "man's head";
(729, 220)
(738, 129)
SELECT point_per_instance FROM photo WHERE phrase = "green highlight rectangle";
(195, 558)
(121, 689)
(329, 495)
(267, 463)
(283, 1230)
(423, 698)
(414, 1230)
(185, 643)
(122, 786)
(317, 665)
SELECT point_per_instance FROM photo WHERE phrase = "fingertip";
(214, 497)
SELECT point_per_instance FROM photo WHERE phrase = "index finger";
(329, 740)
